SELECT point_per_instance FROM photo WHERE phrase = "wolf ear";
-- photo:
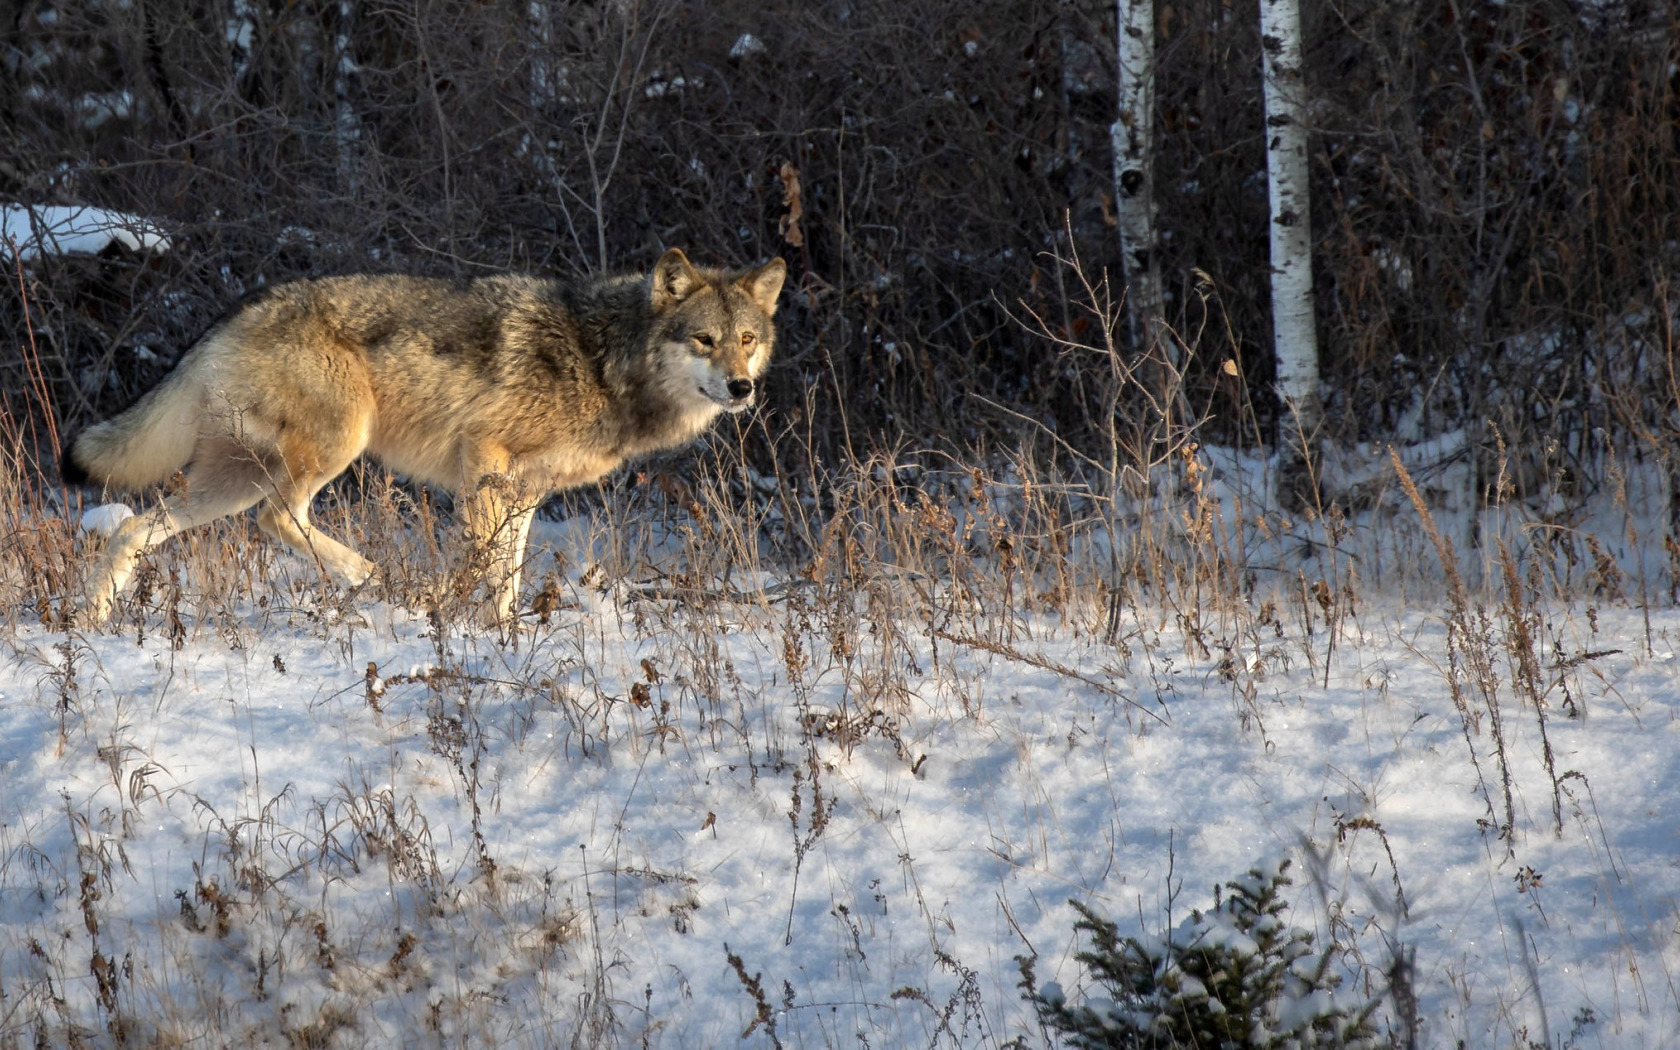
(674, 279)
(765, 284)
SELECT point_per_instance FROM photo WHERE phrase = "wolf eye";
(704, 340)
(747, 338)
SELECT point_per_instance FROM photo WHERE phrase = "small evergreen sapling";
(1238, 976)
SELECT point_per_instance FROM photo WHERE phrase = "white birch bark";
(1295, 340)
(1132, 135)
(241, 36)
(541, 20)
(542, 91)
(347, 125)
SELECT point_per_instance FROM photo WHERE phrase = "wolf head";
(712, 331)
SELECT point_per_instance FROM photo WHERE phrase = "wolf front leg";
(502, 588)
(498, 525)
(496, 512)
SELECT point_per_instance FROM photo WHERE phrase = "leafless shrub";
(1495, 191)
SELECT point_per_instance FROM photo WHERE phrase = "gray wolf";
(500, 389)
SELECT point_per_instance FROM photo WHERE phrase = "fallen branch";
(1009, 652)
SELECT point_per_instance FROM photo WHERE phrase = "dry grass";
(880, 577)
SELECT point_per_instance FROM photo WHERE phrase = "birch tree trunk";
(242, 33)
(1294, 338)
(1133, 137)
(347, 124)
(543, 88)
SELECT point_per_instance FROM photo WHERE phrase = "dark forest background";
(1495, 193)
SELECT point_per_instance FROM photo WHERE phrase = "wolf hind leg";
(287, 520)
(285, 514)
(227, 485)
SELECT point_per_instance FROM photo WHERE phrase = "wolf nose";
(740, 389)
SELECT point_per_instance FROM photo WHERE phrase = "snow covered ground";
(834, 817)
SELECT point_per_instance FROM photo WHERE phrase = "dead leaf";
(789, 226)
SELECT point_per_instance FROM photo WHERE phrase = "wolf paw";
(368, 579)
(88, 611)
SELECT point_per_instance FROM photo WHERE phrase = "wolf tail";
(149, 441)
